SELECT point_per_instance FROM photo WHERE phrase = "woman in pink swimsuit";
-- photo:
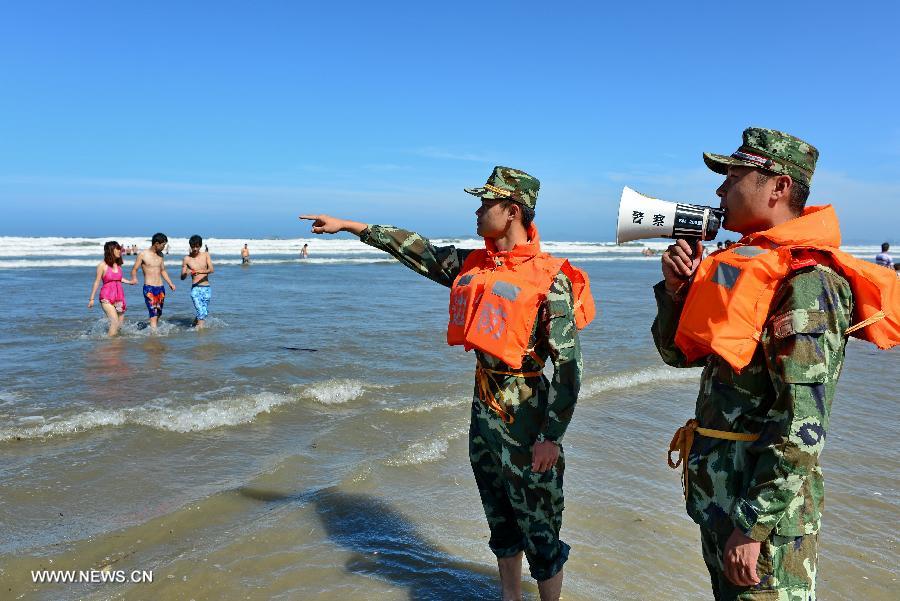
(112, 297)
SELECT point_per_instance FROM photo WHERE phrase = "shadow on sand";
(387, 546)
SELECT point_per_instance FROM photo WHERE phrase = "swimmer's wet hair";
(195, 241)
(159, 238)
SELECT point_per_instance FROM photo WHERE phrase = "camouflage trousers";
(523, 508)
(786, 568)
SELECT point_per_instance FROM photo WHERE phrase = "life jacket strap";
(866, 322)
(488, 396)
(537, 359)
(684, 440)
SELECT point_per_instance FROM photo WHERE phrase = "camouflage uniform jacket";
(773, 485)
(554, 336)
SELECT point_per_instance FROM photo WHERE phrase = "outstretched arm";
(326, 224)
(439, 264)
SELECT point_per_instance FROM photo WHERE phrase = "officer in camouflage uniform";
(758, 503)
(518, 466)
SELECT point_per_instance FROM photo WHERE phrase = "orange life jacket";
(496, 296)
(729, 300)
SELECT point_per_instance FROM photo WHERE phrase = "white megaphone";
(643, 217)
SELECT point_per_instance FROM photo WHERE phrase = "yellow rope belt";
(488, 396)
(684, 440)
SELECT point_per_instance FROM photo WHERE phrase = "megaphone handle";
(692, 242)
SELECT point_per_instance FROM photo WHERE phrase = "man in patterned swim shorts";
(151, 261)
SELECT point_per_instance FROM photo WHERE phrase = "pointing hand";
(324, 224)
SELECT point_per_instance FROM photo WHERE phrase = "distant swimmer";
(199, 266)
(648, 252)
(154, 267)
(883, 258)
(112, 297)
(304, 252)
(245, 255)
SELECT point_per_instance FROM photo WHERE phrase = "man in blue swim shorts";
(198, 265)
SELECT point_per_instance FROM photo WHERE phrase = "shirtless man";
(199, 265)
(151, 261)
(245, 255)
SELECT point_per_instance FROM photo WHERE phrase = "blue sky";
(231, 118)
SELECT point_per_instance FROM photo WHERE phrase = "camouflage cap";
(506, 183)
(771, 150)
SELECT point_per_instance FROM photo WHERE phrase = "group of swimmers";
(197, 265)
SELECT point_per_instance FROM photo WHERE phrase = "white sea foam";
(49, 252)
(172, 417)
(141, 329)
(428, 450)
(644, 377)
(335, 392)
(159, 415)
(11, 246)
(58, 262)
(430, 406)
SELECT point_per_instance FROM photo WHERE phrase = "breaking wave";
(335, 392)
(166, 415)
(427, 451)
(430, 406)
(158, 415)
(55, 252)
(644, 377)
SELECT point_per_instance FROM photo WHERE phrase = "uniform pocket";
(800, 354)
(799, 321)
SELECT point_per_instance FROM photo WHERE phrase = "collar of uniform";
(521, 252)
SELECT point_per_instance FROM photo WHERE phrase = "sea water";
(311, 442)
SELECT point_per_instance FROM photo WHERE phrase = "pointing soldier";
(768, 317)
(517, 307)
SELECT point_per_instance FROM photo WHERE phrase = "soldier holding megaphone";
(768, 317)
